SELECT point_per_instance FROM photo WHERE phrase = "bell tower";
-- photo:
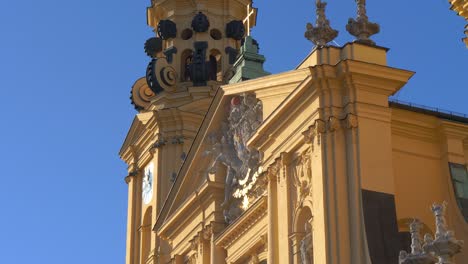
(193, 51)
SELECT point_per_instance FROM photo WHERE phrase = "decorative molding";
(362, 28)
(302, 180)
(322, 33)
(314, 131)
(351, 121)
(178, 140)
(243, 224)
(160, 141)
(274, 170)
(334, 124)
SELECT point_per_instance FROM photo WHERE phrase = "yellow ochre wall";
(422, 147)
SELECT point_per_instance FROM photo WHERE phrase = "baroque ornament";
(200, 23)
(235, 30)
(362, 28)
(153, 46)
(160, 76)
(244, 116)
(322, 33)
(303, 177)
(167, 29)
(417, 254)
(445, 245)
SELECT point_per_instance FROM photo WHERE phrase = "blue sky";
(66, 68)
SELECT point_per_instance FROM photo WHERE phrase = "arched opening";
(215, 69)
(303, 236)
(185, 61)
(145, 230)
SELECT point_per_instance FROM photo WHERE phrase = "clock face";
(147, 191)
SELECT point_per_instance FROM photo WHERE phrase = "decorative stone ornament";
(229, 147)
(439, 250)
(444, 246)
(361, 28)
(235, 29)
(200, 23)
(160, 76)
(322, 33)
(418, 255)
(141, 95)
(153, 46)
(167, 29)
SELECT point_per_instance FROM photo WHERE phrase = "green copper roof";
(249, 63)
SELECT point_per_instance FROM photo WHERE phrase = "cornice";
(414, 125)
(242, 225)
(375, 78)
(186, 165)
(454, 129)
(204, 195)
(275, 120)
(267, 82)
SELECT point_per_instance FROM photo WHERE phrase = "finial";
(322, 33)
(445, 245)
(361, 28)
(417, 255)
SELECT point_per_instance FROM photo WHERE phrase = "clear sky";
(66, 69)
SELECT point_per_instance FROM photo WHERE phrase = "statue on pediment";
(244, 115)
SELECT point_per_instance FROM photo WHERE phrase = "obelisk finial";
(361, 28)
(322, 33)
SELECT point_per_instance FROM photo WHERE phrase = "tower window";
(460, 186)
(186, 60)
(216, 70)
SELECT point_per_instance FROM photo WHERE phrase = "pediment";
(270, 90)
(137, 129)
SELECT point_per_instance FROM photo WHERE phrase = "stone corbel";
(274, 170)
(177, 140)
(351, 121)
(314, 131)
(159, 142)
(132, 172)
(334, 124)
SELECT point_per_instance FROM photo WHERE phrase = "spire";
(361, 28)
(322, 33)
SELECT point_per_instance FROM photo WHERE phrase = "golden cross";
(250, 12)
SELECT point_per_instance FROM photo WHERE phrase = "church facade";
(230, 164)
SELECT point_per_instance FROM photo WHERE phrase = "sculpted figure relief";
(243, 117)
(303, 176)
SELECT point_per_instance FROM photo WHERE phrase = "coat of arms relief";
(228, 146)
(302, 180)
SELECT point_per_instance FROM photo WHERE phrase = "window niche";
(185, 61)
(215, 70)
(303, 236)
(459, 177)
(146, 235)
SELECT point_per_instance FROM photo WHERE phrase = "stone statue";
(230, 149)
(306, 248)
